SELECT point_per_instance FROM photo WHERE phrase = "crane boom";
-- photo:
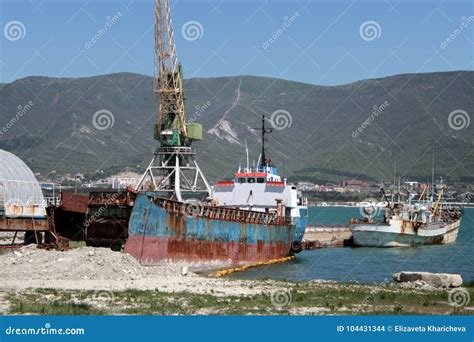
(173, 171)
(168, 80)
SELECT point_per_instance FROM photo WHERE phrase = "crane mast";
(173, 171)
(168, 80)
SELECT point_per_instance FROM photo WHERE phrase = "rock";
(434, 279)
(18, 254)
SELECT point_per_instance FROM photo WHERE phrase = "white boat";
(406, 224)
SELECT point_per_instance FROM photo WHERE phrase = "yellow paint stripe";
(228, 271)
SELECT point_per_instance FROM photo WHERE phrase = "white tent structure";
(20, 192)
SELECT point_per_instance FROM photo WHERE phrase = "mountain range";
(375, 129)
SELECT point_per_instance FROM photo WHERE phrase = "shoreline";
(351, 204)
(86, 280)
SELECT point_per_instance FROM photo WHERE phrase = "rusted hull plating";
(23, 224)
(404, 233)
(161, 229)
(153, 249)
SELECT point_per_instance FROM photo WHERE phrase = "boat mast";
(247, 155)
(432, 176)
(263, 160)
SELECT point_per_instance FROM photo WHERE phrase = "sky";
(317, 42)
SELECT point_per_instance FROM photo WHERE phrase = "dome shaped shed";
(20, 192)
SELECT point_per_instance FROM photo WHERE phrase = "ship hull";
(163, 231)
(403, 234)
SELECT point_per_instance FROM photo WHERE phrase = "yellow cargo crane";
(171, 129)
(173, 171)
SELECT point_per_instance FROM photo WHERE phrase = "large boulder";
(434, 279)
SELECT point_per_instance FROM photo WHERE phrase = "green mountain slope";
(322, 143)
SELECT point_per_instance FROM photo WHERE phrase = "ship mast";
(173, 171)
(263, 160)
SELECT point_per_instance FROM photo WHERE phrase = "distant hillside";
(322, 143)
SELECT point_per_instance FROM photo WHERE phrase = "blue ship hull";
(161, 229)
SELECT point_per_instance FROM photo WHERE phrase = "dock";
(324, 236)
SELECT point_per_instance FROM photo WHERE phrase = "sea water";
(369, 264)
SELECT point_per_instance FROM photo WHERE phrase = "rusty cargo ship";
(162, 229)
(177, 215)
(254, 217)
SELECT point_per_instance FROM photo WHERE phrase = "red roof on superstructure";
(251, 174)
(225, 183)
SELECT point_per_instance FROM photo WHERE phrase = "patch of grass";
(77, 244)
(55, 308)
(306, 299)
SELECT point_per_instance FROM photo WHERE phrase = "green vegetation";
(297, 299)
(318, 146)
(77, 244)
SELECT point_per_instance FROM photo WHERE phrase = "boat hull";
(402, 234)
(164, 232)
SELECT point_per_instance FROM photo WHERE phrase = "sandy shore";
(89, 268)
(93, 281)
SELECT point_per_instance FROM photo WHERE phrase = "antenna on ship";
(432, 175)
(247, 155)
(173, 169)
(264, 161)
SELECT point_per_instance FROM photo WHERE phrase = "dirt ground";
(89, 268)
(94, 281)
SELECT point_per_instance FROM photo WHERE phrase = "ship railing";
(53, 201)
(222, 213)
(174, 149)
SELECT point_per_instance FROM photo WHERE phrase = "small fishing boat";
(408, 224)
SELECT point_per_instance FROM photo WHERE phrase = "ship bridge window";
(242, 180)
(251, 180)
(260, 180)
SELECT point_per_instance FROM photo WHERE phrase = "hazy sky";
(320, 42)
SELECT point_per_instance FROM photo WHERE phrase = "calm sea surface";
(366, 264)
